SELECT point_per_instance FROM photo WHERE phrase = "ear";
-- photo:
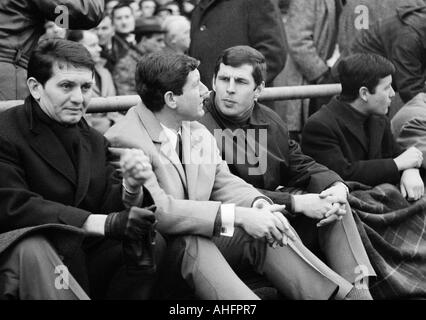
(170, 100)
(364, 93)
(35, 88)
(214, 83)
(258, 90)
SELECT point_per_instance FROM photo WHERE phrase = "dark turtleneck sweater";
(68, 135)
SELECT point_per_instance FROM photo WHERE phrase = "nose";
(77, 96)
(391, 93)
(231, 86)
(204, 91)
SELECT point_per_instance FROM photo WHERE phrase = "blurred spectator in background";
(218, 24)
(103, 85)
(22, 24)
(162, 12)
(123, 22)
(402, 39)
(147, 8)
(109, 5)
(135, 5)
(52, 30)
(359, 15)
(174, 7)
(177, 33)
(311, 29)
(105, 32)
(149, 38)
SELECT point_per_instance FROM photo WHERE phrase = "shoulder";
(10, 122)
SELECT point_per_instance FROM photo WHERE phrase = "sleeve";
(306, 173)
(300, 37)
(413, 133)
(408, 57)
(19, 206)
(269, 39)
(81, 14)
(320, 143)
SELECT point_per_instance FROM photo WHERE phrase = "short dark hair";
(43, 57)
(362, 70)
(159, 72)
(239, 55)
(120, 6)
(75, 35)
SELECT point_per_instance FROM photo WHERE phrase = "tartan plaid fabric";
(393, 231)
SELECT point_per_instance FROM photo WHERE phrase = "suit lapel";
(191, 155)
(160, 140)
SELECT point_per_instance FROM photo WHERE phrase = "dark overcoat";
(38, 185)
(333, 137)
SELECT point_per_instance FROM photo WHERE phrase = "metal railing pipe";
(123, 103)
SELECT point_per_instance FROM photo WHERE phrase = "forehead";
(124, 11)
(193, 77)
(385, 81)
(66, 72)
(244, 71)
(89, 37)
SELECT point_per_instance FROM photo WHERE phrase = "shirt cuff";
(227, 213)
(260, 201)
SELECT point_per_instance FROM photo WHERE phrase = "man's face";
(179, 37)
(90, 41)
(154, 43)
(147, 8)
(54, 31)
(190, 102)
(105, 31)
(235, 89)
(66, 95)
(378, 102)
(124, 21)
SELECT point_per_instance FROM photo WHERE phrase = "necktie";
(179, 147)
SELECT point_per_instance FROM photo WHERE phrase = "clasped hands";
(327, 207)
(133, 223)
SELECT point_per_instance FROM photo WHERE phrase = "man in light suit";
(225, 224)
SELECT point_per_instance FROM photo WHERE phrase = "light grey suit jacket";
(188, 200)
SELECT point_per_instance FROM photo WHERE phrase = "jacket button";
(203, 27)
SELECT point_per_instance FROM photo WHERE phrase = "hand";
(268, 223)
(410, 158)
(411, 185)
(326, 208)
(130, 224)
(338, 190)
(136, 168)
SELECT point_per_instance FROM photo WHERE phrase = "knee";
(32, 249)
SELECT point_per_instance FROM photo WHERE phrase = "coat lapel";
(376, 126)
(344, 116)
(83, 167)
(160, 140)
(47, 146)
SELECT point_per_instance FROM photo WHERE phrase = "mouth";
(229, 102)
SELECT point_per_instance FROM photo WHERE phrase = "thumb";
(403, 191)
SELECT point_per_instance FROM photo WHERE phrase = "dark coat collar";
(47, 146)
(344, 114)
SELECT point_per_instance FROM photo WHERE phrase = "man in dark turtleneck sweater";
(61, 203)
(255, 143)
(351, 135)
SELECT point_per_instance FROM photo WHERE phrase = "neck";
(168, 119)
(359, 105)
